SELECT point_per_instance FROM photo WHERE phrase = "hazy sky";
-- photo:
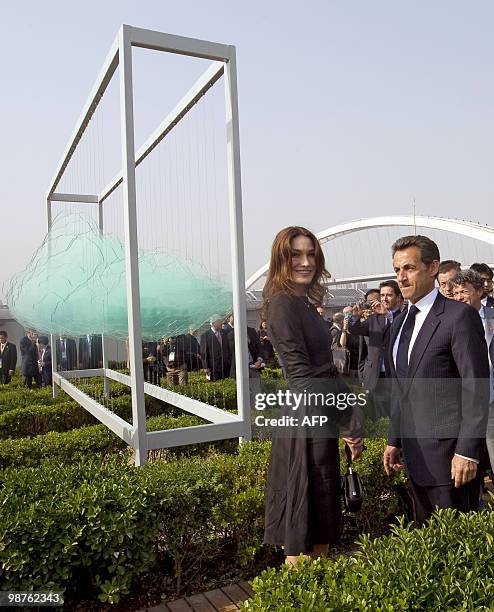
(347, 110)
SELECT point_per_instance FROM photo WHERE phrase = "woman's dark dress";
(303, 504)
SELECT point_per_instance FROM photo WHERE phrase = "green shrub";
(89, 528)
(446, 565)
(71, 446)
(92, 527)
(39, 419)
(272, 373)
(11, 399)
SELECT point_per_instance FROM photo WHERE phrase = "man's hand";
(356, 446)
(379, 308)
(462, 471)
(392, 459)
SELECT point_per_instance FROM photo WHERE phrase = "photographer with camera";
(373, 321)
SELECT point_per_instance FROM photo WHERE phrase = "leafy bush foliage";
(71, 446)
(92, 527)
(446, 565)
(88, 528)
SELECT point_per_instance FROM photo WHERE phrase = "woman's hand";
(356, 446)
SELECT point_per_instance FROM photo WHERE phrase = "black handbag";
(352, 488)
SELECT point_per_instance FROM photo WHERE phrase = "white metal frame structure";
(484, 233)
(222, 424)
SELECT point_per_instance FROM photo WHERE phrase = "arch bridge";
(469, 229)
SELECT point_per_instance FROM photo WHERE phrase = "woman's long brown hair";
(280, 272)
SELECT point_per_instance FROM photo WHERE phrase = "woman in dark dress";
(303, 503)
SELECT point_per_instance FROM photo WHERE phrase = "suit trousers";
(426, 499)
(4, 378)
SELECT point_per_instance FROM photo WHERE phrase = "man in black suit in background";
(215, 351)
(440, 397)
(90, 352)
(486, 274)
(66, 353)
(254, 348)
(44, 361)
(8, 358)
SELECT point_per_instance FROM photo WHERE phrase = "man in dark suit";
(215, 351)
(90, 352)
(66, 353)
(150, 362)
(193, 351)
(8, 358)
(376, 329)
(44, 361)
(254, 347)
(486, 274)
(440, 396)
(29, 359)
(371, 295)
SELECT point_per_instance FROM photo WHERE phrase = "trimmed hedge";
(446, 565)
(85, 528)
(34, 420)
(71, 446)
(91, 528)
(198, 519)
(12, 399)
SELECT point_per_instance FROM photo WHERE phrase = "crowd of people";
(171, 358)
(213, 353)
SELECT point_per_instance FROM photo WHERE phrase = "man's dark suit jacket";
(90, 359)
(29, 357)
(441, 407)
(70, 362)
(9, 360)
(490, 301)
(376, 328)
(46, 370)
(215, 356)
(253, 343)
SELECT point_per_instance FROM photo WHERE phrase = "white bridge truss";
(483, 233)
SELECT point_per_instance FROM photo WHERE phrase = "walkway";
(226, 599)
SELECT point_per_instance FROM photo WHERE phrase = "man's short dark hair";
(394, 286)
(467, 276)
(429, 250)
(448, 265)
(4, 333)
(369, 291)
(482, 268)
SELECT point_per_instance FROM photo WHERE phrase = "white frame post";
(237, 242)
(53, 346)
(131, 246)
(104, 347)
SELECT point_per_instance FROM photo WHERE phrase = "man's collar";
(427, 300)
